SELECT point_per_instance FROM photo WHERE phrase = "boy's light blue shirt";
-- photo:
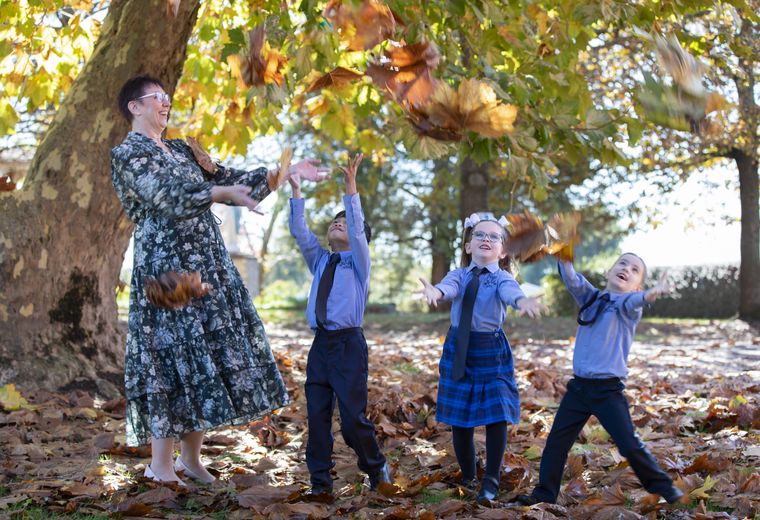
(348, 297)
(601, 348)
(497, 289)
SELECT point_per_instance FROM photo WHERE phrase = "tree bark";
(749, 268)
(473, 194)
(63, 236)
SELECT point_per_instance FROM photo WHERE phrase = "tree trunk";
(63, 236)
(443, 225)
(473, 194)
(749, 268)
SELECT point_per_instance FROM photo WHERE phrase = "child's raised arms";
(431, 293)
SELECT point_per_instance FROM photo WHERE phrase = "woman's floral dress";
(209, 363)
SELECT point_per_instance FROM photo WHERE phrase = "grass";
(429, 496)
(407, 368)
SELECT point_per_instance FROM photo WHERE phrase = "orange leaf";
(405, 71)
(364, 26)
(527, 236)
(173, 290)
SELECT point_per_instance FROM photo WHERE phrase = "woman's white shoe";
(180, 466)
(149, 474)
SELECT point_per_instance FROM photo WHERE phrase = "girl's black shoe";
(488, 491)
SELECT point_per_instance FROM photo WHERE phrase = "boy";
(607, 321)
(337, 363)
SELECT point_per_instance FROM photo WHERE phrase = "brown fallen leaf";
(527, 236)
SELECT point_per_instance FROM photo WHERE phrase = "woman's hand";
(431, 293)
(350, 173)
(530, 306)
(235, 195)
(309, 170)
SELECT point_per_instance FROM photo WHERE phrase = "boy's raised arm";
(307, 241)
(355, 219)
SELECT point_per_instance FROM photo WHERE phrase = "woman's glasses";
(161, 97)
(491, 237)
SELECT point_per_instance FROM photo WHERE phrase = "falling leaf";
(173, 290)
(406, 72)
(258, 64)
(527, 236)
(474, 107)
(363, 25)
(172, 7)
(686, 104)
(201, 157)
(338, 77)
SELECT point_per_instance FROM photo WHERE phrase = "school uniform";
(487, 393)
(607, 325)
(336, 369)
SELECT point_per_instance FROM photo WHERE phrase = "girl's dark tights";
(464, 448)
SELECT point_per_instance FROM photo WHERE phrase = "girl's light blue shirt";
(497, 289)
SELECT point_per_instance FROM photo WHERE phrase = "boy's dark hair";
(133, 89)
(367, 229)
(506, 263)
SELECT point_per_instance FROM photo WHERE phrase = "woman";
(208, 363)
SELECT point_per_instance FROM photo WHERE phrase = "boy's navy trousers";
(337, 370)
(604, 399)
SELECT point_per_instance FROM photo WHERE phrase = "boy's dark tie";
(603, 301)
(325, 285)
(465, 323)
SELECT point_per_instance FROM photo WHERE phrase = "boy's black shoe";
(527, 500)
(383, 475)
(488, 491)
(470, 484)
(317, 492)
(673, 496)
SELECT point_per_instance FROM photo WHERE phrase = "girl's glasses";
(491, 237)
(161, 97)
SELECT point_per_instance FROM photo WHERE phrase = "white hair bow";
(473, 219)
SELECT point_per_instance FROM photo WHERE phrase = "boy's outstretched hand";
(431, 293)
(530, 306)
(350, 173)
(662, 287)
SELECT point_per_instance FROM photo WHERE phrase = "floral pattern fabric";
(209, 363)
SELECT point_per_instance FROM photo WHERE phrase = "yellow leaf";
(11, 398)
(701, 492)
(532, 453)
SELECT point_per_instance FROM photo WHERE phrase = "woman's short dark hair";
(367, 229)
(133, 89)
